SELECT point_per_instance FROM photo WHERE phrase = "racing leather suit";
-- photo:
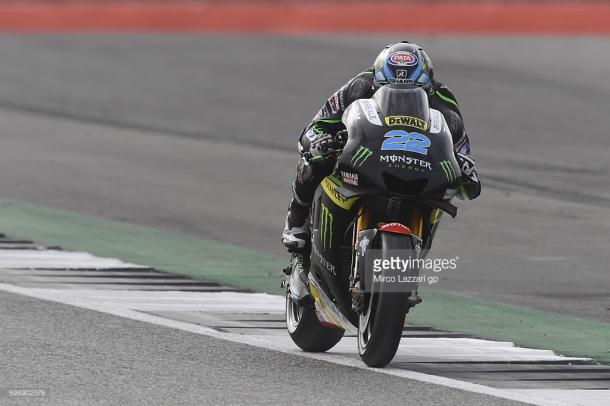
(328, 122)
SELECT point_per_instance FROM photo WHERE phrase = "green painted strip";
(447, 99)
(328, 121)
(235, 266)
(523, 326)
(163, 250)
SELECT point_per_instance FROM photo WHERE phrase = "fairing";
(397, 144)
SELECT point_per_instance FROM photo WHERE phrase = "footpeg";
(414, 299)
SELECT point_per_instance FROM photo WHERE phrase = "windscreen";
(400, 99)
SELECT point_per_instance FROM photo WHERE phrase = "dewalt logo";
(407, 121)
(448, 170)
(326, 227)
(361, 156)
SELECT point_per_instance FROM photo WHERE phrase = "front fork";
(365, 231)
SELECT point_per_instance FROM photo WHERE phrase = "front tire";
(380, 328)
(305, 328)
(381, 325)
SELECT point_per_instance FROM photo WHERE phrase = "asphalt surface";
(86, 357)
(140, 293)
(197, 135)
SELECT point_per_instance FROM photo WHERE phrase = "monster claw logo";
(326, 227)
(361, 156)
(448, 170)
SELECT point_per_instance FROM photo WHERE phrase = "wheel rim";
(294, 313)
(365, 325)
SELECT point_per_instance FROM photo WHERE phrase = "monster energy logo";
(360, 156)
(448, 169)
(326, 227)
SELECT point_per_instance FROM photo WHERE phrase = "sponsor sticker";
(323, 261)
(407, 121)
(370, 112)
(326, 227)
(310, 135)
(349, 178)
(402, 58)
(360, 157)
(436, 121)
(397, 228)
(405, 162)
(334, 103)
(447, 168)
(402, 76)
(362, 245)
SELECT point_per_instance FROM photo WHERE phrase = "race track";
(225, 357)
(197, 134)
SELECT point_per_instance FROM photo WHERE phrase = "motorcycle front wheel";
(381, 324)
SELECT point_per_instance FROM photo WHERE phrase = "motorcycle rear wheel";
(306, 330)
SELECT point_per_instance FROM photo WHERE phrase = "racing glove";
(321, 145)
(471, 186)
(467, 166)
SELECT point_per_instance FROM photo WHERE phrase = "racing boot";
(296, 236)
(299, 279)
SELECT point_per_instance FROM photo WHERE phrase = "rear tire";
(306, 331)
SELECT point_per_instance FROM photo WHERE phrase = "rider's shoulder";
(442, 92)
(360, 86)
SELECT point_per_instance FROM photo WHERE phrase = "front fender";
(383, 243)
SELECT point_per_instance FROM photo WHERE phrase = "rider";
(403, 63)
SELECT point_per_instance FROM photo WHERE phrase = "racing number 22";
(399, 140)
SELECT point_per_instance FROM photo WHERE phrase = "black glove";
(321, 145)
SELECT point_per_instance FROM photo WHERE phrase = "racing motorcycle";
(386, 195)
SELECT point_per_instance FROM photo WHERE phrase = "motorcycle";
(386, 194)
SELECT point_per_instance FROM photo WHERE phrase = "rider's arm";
(328, 120)
(471, 186)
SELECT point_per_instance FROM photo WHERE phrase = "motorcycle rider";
(402, 62)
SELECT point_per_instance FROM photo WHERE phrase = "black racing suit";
(328, 121)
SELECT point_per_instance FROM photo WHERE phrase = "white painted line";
(51, 259)
(576, 397)
(546, 398)
(215, 302)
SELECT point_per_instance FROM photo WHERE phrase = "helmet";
(403, 63)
